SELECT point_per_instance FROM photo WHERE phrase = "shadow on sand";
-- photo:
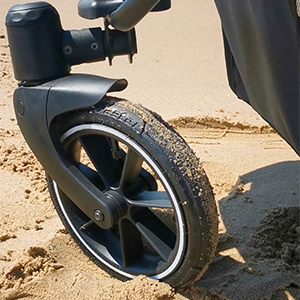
(273, 192)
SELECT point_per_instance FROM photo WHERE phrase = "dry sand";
(254, 173)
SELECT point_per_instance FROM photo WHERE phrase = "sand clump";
(35, 262)
(59, 270)
(277, 240)
(144, 288)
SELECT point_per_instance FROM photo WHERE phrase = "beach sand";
(179, 73)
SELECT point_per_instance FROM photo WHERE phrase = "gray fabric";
(263, 38)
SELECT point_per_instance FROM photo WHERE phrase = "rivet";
(68, 50)
(95, 46)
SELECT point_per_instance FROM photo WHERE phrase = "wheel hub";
(117, 206)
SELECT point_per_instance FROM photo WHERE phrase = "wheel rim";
(149, 238)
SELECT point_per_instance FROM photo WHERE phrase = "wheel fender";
(37, 106)
(79, 91)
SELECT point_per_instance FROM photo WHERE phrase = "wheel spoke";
(131, 242)
(100, 153)
(91, 175)
(132, 167)
(156, 232)
(151, 199)
(73, 150)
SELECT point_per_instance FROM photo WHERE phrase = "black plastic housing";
(35, 38)
(93, 9)
(93, 44)
(41, 50)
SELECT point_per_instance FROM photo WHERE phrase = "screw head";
(99, 216)
(95, 46)
(68, 50)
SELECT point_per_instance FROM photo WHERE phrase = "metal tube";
(126, 16)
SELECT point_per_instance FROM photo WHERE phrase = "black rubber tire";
(181, 169)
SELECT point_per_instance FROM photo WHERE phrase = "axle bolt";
(99, 216)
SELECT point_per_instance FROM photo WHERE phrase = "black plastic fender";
(37, 106)
(79, 91)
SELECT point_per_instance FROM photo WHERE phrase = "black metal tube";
(84, 46)
(126, 16)
(93, 44)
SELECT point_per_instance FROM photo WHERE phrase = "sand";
(254, 173)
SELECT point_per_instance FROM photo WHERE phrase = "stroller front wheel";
(168, 226)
